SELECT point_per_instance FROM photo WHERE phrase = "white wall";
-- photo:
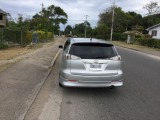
(158, 32)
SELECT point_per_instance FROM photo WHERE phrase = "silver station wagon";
(88, 62)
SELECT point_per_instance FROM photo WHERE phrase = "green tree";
(68, 29)
(49, 19)
(79, 29)
(121, 19)
(101, 31)
(135, 20)
(21, 23)
(150, 20)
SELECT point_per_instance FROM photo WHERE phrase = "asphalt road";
(138, 99)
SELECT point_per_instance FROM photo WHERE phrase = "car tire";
(112, 87)
(60, 85)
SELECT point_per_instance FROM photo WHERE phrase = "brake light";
(72, 80)
(71, 57)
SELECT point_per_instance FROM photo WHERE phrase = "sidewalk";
(144, 49)
(20, 83)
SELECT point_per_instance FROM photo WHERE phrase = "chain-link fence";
(10, 36)
(21, 37)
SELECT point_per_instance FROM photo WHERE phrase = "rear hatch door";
(93, 59)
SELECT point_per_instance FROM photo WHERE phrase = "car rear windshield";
(93, 50)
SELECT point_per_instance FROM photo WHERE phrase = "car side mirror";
(60, 46)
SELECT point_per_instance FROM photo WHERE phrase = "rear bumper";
(69, 80)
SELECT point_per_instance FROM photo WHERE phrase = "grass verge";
(140, 48)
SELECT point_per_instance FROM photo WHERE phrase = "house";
(154, 31)
(3, 18)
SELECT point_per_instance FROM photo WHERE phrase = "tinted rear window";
(92, 50)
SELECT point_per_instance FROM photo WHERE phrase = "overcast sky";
(75, 9)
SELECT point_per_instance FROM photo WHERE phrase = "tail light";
(71, 57)
(72, 80)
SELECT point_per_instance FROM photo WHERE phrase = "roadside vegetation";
(45, 24)
(123, 21)
(38, 29)
(3, 45)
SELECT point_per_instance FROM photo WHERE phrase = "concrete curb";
(43, 81)
(53, 61)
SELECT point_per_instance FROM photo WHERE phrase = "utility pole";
(112, 20)
(86, 25)
(42, 5)
(42, 8)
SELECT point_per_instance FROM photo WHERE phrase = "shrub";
(26, 37)
(119, 36)
(147, 36)
(3, 45)
(138, 36)
(106, 37)
(37, 36)
(154, 43)
(44, 36)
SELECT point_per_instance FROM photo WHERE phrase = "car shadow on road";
(93, 91)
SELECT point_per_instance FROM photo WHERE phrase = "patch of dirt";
(12, 55)
(4, 66)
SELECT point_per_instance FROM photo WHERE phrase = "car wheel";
(112, 87)
(60, 85)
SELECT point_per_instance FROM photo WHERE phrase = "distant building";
(154, 31)
(3, 18)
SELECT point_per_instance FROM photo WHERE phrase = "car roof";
(88, 40)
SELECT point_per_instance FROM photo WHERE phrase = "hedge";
(119, 36)
(26, 37)
(36, 36)
(104, 37)
(154, 43)
(44, 36)
(115, 36)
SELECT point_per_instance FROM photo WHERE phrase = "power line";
(83, 20)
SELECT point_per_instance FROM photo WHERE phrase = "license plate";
(95, 66)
